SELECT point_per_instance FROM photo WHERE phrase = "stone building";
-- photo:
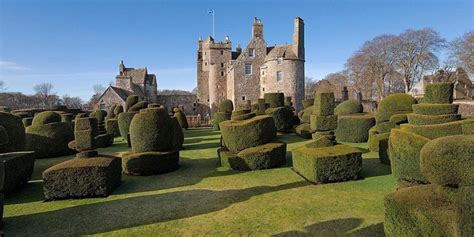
(463, 86)
(246, 74)
(137, 81)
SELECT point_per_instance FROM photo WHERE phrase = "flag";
(211, 12)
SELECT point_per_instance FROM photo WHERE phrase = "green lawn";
(201, 199)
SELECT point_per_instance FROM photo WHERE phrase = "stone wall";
(171, 101)
(109, 99)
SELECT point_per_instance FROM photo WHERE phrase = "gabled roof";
(138, 74)
(285, 51)
(121, 93)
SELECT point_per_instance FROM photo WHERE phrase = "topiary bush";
(220, 117)
(178, 139)
(288, 102)
(349, 107)
(264, 156)
(242, 116)
(274, 100)
(124, 121)
(439, 93)
(226, 106)
(306, 114)
(239, 135)
(323, 123)
(283, 118)
(110, 112)
(117, 110)
(324, 104)
(398, 119)
(436, 130)
(328, 164)
(152, 130)
(304, 130)
(150, 163)
(85, 131)
(399, 103)
(419, 119)
(46, 117)
(181, 118)
(27, 121)
(112, 127)
(435, 109)
(16, 169)
(131, 100)
(354, 128)
(138, 106)
(15, 133)
(308, 103)
(374, 140)
(49, 140)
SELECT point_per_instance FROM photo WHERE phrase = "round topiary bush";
(283, 118)
(399, 103)
(239, 135)
(274, 100)
(226, 106)
(439, 93)
(448, 161)
(349, 107)
(124, 121)
(152, 130)
(15, 132)
(420, 119)
(131, 100)
(435, 109)
(354, 128)
(46, 117)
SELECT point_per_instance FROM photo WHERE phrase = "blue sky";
(76, 44)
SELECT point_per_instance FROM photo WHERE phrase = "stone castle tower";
(245, 75)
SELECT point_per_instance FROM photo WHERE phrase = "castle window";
(251, 52)
(279, 75)
(263, 88)
(280, 60)
(222, 73)
(248, 69)
(263, 73)
(243, 97)
(222, 52)
(222, 65)
(205, 64)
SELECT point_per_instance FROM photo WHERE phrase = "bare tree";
(415, 54)
(462, 51)
(98, 89)
(72, 102)
(309, 85)
(43, 89)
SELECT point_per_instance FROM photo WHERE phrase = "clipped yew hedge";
(354, 128)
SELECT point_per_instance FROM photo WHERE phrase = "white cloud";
(12, 66)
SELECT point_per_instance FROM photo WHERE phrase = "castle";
(245, 75)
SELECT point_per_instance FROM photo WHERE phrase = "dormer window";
(251, 52)
(280, 60)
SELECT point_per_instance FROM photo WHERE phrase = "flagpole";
(211, 11)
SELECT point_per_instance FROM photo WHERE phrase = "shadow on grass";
(372, 167)
(338, 227)
(202, 146)
(200, 132)
(135, 211)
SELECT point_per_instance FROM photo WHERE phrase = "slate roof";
(285, 51)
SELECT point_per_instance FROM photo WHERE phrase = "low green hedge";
(274, 100)
(220, 117)
(124, 121)
(150, 163)
(436, 130)
(404, 152)
(348, 107)
(324, 104)
(439, 93)
(328, 164)
(81, 178)
(239, 135)
(16, 169)
(152, 130)
(49, 140)
(435, 109)
(419, 119)
(266, 156)
(283, 118)
(398, 119)
(303, 130)
(323, 123)
(354, 128)
(449, 161)
(15, 133)
(374, 139)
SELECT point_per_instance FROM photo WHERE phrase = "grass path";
(201, 199)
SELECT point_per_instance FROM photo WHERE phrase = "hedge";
(399, 103)
(16, 169)
(449, 161)
(130, 101)
(49, 140)
(349, 107)
(84, 134)
(46, 117)
(104, 140)
(239, 135)
(436, 130)
(374, 140)
(262, 106)
(324, 104)
(150, 163)
(266, 156)
(124, 120)
(323, 123)
(81, 178)
(16, 133)
(419, 211)
(306, 116)
(435, 109)
(398, 119)
(242, 116)
(138, 106)
(404, 152)
(384, 157)
(151, 130)
(240, 112)
(354, 128)
(220, 117)
(419, 119)
(274, 100)
(226, 106)
(321, 141)
(303, 130)
(112, 127)
(283, 118)
(327, 134)
(439, 93)
(67, 117)
(328, 164)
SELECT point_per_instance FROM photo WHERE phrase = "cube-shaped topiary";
(150, 163)
(354, 128)
(49, 137)
(324, 104)
(328, 164)
(265, 156)
(349, 107)
(112, 127)
(239, 135)
(242, 116)
(321, 141)
(226, 106)
(439, 93)
(399, 103)
(15, 133)
(420, 119)
(404, 153)
(152, 130)
(274, 100)
(85, 132)
(283, 118)
(81, 178)
(323, 123)
(435, 109)
(124, 120)
(16, 169)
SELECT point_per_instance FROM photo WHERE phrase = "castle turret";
(121, 68)
(298, 38)
(257, 28)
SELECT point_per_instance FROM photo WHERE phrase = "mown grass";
(202, 199)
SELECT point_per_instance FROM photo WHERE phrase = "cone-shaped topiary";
(13, 127)
(439, 93)
(48, 136)
(274, 100)
(349, 107)
(131, 100)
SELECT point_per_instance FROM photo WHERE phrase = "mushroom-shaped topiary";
(349, 107)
